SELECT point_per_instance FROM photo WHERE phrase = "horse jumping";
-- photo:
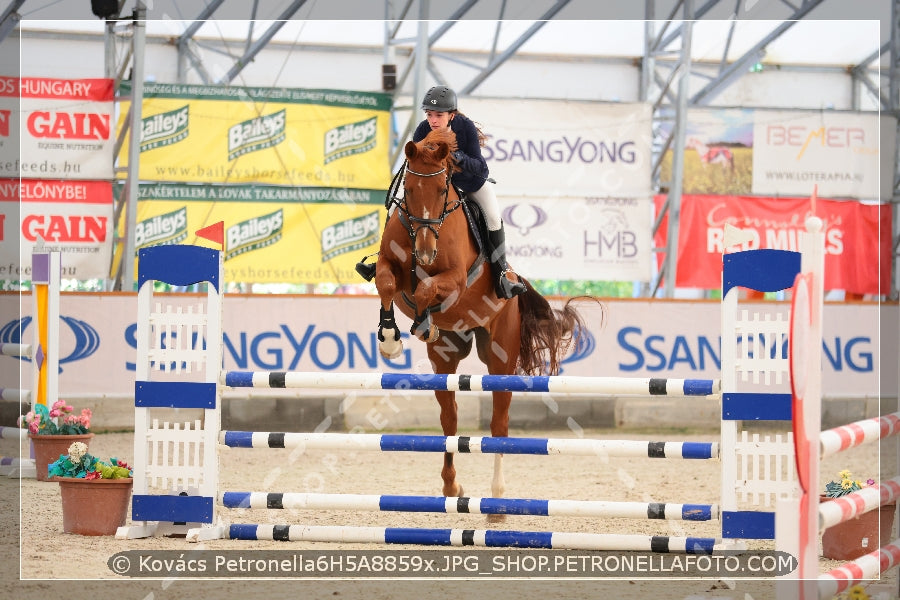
(430, 267)
(712, 155)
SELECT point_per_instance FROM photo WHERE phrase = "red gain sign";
(65, 228)
(70, 126)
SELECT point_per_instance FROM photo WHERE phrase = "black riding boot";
(504, 287)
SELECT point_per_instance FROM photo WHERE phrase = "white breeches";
(487, 200)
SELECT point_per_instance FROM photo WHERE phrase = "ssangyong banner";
(837, 152)
(596, 239)
(73, 217)
(857, 237)
(552, 148)
(273, 234)
(65, 127)
(277, 136)
(641, 338)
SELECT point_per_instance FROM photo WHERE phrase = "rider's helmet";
(440, 98)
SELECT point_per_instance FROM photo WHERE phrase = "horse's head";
(426, 190)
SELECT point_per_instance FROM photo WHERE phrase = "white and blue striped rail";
(487, 506)
(472, 537)
(464, 444)
(474, 383)
(13, 349)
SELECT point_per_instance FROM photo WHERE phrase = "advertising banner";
(857, 237)
(594, 239)
(838, 152)
(273, 234)
(641, 338)
(277, 136)
(74, 217)
(552, 148)
(742, 151)
(64, 127)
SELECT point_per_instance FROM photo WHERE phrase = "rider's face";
(437, 120)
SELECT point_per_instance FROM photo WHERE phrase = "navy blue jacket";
(474, 168)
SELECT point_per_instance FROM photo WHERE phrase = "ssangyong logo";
(349, 235)
(254, 234)
(256, 134)
(164, 129)
(349, 139)
(87, 340)
(170, 228)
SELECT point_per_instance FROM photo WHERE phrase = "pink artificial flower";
(86, 415)
(33, 427)
(870, 482)
(54, 413)
(70, 420)
(93, 475)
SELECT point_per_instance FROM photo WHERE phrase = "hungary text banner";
(857, 237)
(61, 128)
(235, 135)
(73, 217)
(272, 234)
(592, 239)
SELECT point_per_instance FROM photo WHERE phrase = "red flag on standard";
(214, 232)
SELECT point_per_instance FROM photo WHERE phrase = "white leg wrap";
(498, 484)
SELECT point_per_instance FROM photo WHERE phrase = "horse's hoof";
(386, 352)
(433, 333)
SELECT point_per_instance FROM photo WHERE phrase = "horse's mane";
(434, 137)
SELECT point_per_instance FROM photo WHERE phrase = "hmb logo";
(613, 237)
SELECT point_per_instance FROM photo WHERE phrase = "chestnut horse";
(430, 267)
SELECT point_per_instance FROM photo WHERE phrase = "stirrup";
(366, 271)
(506, 288)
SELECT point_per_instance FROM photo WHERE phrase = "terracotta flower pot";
(858, 536)
(94, 506)
(47, 449)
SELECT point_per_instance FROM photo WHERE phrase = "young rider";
(441, 112)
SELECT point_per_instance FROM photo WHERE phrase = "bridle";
(414, 224)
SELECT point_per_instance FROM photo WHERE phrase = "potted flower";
(860, 535)
(52, 430)
(94, 493)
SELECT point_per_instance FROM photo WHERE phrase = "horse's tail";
(547, 332)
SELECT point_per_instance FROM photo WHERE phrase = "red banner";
(857, 237)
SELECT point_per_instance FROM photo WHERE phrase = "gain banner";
(56, 128)
(273, 234)
(73, 217)
(277, 136)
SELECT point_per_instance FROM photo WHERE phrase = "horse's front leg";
(442, 289)
(389, 343)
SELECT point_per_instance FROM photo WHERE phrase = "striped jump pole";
(472, 537)
(10, 349)
(473, 383)
(487, 506)
(844, 508)
(864, 568)
(855, 434)
(463, 444)
(7, 433)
